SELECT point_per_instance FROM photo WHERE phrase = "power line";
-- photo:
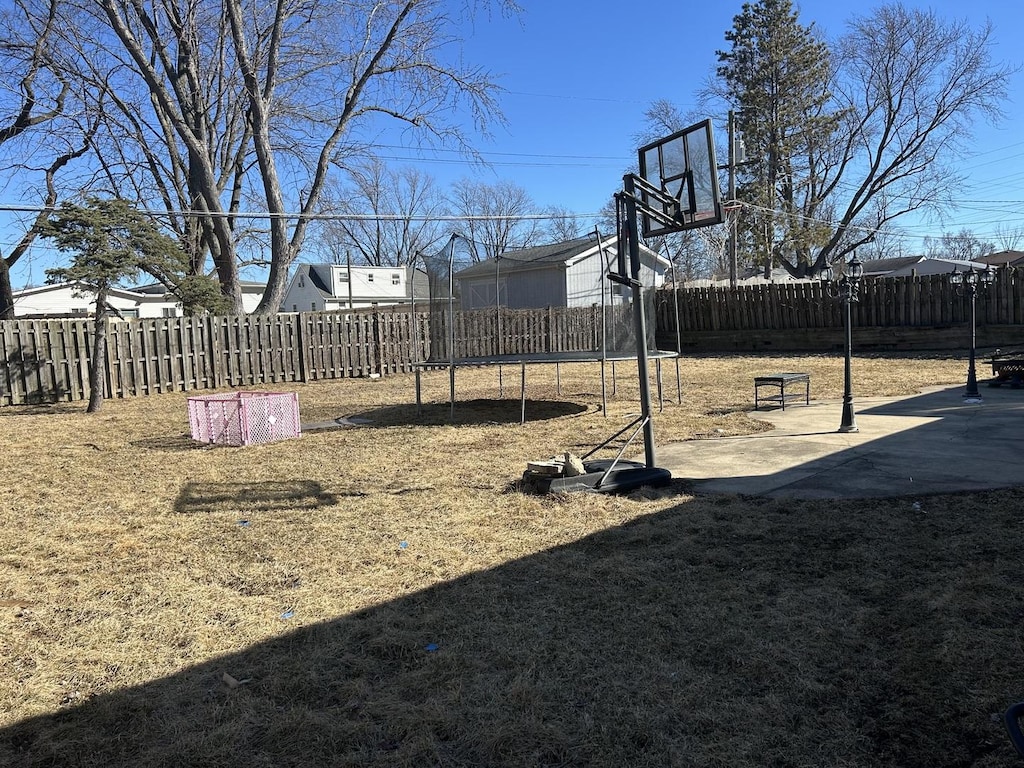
(330, 216)
(506, 154)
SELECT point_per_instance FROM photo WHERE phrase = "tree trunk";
(6, 291)
(277, 279)
(98, 360)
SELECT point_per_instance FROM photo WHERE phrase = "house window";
(295, 307)
(343, 277)
(302, 281)
(396, 278)
(313, 306)
(170, 312)
(369, 277)
(79, 311)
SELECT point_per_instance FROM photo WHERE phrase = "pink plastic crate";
(244, 418)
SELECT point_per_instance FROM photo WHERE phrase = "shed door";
(482, 294)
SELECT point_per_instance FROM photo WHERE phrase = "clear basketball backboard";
(679, 188)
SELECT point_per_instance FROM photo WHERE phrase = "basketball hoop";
(678, 182)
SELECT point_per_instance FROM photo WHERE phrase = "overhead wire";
(334, 216)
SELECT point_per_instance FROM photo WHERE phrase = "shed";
(571, 273)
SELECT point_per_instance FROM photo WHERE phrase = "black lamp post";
(966, 284)
(846, 288)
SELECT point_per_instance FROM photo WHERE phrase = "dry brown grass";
(142, 576)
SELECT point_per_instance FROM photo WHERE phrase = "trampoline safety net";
(551, 302)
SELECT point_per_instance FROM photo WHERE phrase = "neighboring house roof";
(1003, 258)
(320, 277)
(882, 267)
(933, 267)
(543, 256)
(89, 293)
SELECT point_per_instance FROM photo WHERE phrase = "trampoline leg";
(558, 380)
(613, 378)
(661, 399)
(604, 392)
(679, 385)
(522, 394)
(501, 384)
(451, 391)
(419, 397)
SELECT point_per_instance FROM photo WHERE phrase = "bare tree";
(663, 118)
(886, 244)
(496, 217)
(909, 85)
(563, 224)
(1008, 237)
(36, 101)
(958, 246)
(247, 106)
(384, 218)
(176, 134)
(377, 59)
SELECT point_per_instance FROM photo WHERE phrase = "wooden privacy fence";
(48, 360)
(888, 302)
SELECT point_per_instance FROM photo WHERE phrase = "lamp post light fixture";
(966, 284)
(846, 288)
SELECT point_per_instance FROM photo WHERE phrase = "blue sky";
(578, 76)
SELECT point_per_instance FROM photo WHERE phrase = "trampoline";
(499, 312)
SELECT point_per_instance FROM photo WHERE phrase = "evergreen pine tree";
(777, 73)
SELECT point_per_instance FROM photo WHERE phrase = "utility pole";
(733, 213)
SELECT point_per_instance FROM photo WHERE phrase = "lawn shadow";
(265, 495)
(473, 412)
(709, 634)
(38, 380)
(171, 443)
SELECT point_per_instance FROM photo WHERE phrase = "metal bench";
(1007, 369)
(780, 381)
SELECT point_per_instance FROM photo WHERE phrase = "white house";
(747, 276)
(573, 273)
(326, 287)
(72, 300)
(252, 294)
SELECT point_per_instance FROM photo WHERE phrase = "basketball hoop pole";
(633, 235)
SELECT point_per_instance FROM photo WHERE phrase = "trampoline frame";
(542, 359)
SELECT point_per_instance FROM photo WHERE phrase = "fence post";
(216, 357)
(377, 350)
